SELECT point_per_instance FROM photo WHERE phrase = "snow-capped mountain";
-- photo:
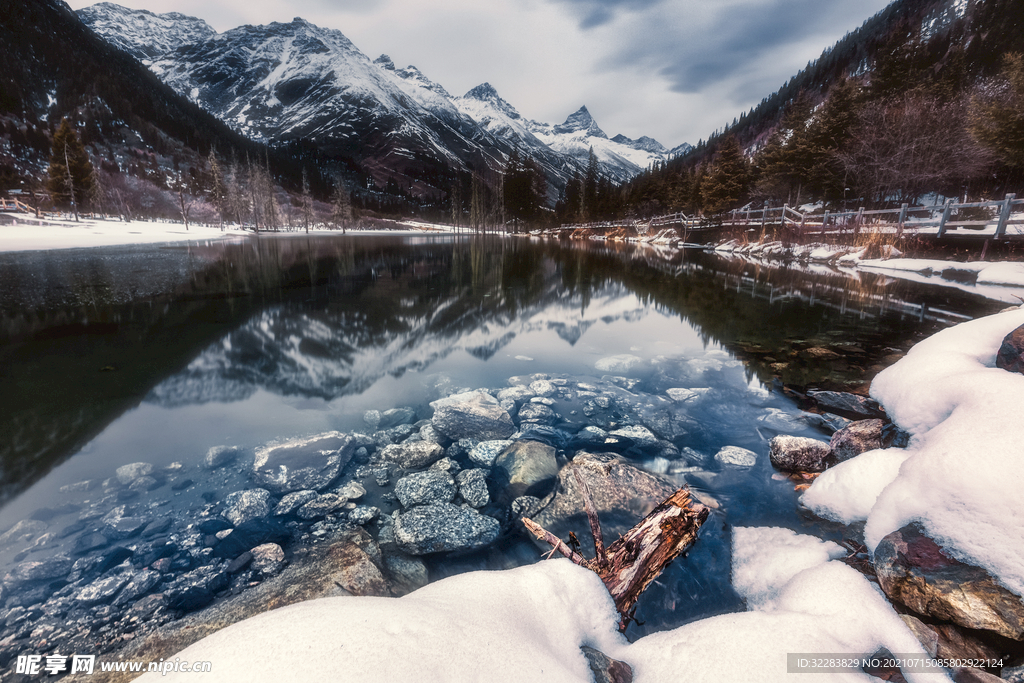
(290, 81)
(143, 34)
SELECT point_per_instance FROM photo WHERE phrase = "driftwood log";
(631, 563)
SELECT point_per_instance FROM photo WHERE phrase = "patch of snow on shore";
(963, 475)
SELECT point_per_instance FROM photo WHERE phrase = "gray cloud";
(594, 13)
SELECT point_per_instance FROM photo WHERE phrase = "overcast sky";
(672, 69)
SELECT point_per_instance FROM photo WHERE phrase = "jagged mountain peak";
(485, 92)
(144, 34)
(644, 143)
(385, 63)
(580, 121)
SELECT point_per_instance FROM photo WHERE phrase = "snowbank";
(962, 474)
(27, 235)
(527, 624)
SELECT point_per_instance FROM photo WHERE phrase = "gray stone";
(396, 416)
(526, 506)
(516, 394)
(126, 474)
(621, 364)
(915, 571)
(537, 413)
(307, 463)
(412, 455)
(736, 456)
(847, 405)
(117, 525)
(431, 486)
(267, 559)
(103, 589)
(218, 456)
(1012, 674)
(525, 468)
(687, 395)
(859, 437)
(144, 484)
(591, 436)
(798, 454)
(52, 568)
(446, 464)
(472, 414)
(241, 506)
(443, 527)
(138, 585)
(408, 573)
(371, 418)
(352, 490)
(78, 487)
(293, 501)
(322, 506)
(473, 487)
(605, 669)
(542, 387)
(484, 453)
(363, 514)
(640, 436)
(431, 435)
(622, 493)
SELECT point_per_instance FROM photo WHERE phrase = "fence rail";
(15, 205)
(945, 217)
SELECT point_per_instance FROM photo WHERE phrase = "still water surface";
(118, 355)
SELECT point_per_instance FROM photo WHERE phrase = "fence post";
(1004, 215)
(824, 222)
(783, 221)
(902, 219)
(859, 219)
(945, 217)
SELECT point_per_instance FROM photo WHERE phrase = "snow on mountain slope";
(143, 34)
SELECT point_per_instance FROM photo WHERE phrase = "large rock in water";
(623, 495)
(472, 415)
(856, 438)
(307, 463)
(1011, 352)
(798, 454)
(443, 527)
(432, 486)
(411, 456)
(525, 468)
(914, 571)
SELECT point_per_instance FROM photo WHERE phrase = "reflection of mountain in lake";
(290, 350)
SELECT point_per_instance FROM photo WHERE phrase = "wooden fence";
(14, 205)
(948, 219)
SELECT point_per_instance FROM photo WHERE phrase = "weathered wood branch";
(636, 559)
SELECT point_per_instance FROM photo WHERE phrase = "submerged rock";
(241, 506)
(736, 456)
(126, 474)
(620, 365)
(431, 486)
(798, 454)
(914, 571)
(847, 405)
(474, 414)
(412, 456)
(525, 468)
(307, 463)
(443, 527)
(218, 456)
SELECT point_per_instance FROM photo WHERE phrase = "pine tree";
(727, 181)
(70, 173)
(997, 120)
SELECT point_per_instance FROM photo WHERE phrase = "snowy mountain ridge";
(287, 81)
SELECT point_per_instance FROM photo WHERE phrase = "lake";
(157, 353)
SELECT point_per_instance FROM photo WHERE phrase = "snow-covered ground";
(528, 624)
(26, 234)
(19, 233)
